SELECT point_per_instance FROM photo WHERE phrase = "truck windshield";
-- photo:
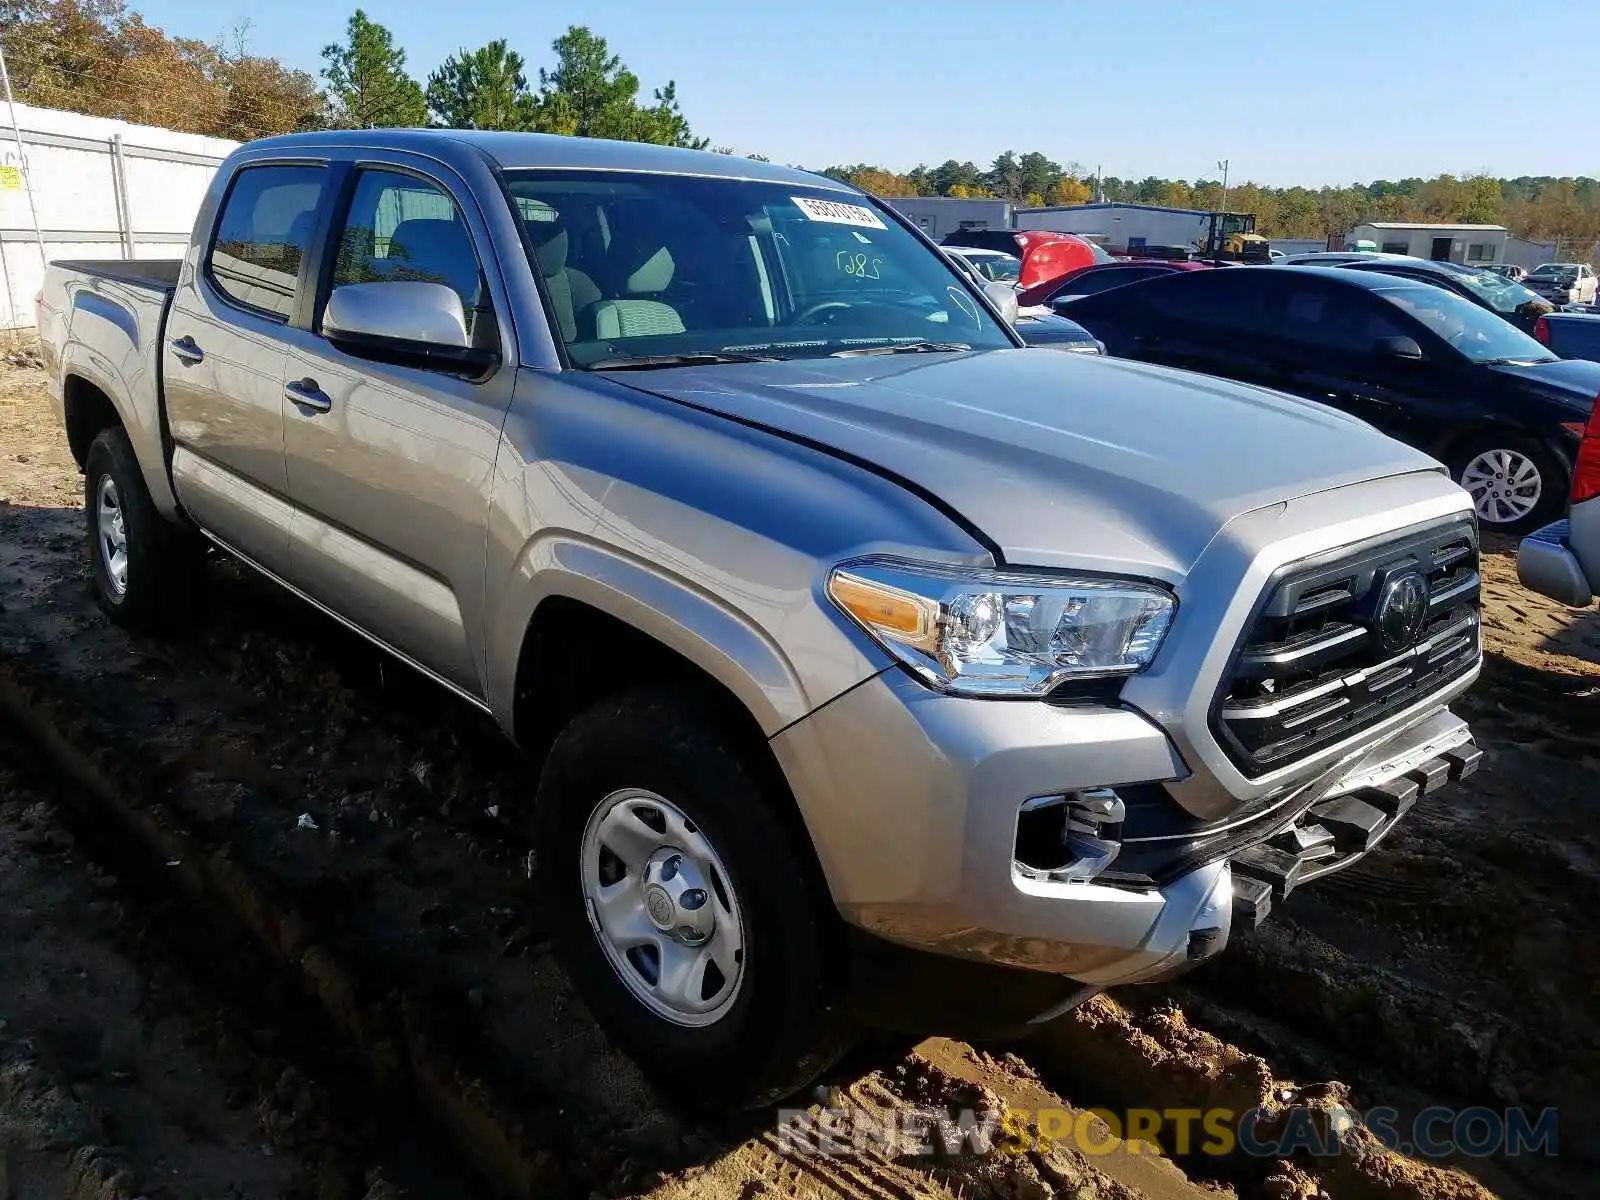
(654, 266)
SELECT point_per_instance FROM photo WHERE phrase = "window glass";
(1217, 298)
(1557, 272)
(1337, 319)
(264, 230)
(998, 268)
(1397, 247)
(655, 264)
(1480, 335)
(1093, 282)
(400, 227)
(1498, 292)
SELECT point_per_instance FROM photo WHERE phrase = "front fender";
(683, 617)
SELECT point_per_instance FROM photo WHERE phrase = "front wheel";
(1516, 484)
(689, 919)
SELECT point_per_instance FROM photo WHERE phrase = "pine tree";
(368, 87)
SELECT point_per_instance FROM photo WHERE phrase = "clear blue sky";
(1291, 91)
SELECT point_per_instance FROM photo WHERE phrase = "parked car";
(1570, 334)
(992, 266)
(1486, 289)
(1048, 331)
(1045, 254)
(1086, 281)
(1331, 258)
(1510, 270)
(1417, 361)
(1562, 560)
(869, 666)
(1564, 283)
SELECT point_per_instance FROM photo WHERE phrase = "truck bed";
(160, 274)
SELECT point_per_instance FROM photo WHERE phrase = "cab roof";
(513, 151)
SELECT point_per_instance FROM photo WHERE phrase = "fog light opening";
(1069, 838)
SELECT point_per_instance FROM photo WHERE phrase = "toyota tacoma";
(871, 668)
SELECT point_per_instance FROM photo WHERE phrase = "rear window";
(263, 232)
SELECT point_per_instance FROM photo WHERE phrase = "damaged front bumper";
(937, 818)
(1358, 813)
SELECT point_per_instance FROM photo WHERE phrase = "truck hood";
(1058, 459)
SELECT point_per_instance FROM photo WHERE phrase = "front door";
(389, 465)
(1331, 337)
(1441, 249)
(222, 365)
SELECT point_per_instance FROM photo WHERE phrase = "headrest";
(654, 275)
(552, 252)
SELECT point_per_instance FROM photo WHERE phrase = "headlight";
(995, 633)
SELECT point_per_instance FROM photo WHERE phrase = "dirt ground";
(368, 828)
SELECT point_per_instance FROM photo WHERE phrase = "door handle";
(306, 394)
(186, 351)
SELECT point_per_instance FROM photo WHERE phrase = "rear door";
(1212, 321)
(222, 365)
(389, 464)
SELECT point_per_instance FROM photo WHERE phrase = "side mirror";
(1403, 348)
(400, 310)
(1004, 297)
(408, 321)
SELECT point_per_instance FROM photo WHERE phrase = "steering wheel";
(804, 316)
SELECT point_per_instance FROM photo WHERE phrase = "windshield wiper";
(901, 348)
(1521, 360)
(647, 362)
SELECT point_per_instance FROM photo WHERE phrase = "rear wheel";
(1516, 484)
(690, 921)
(143, 571)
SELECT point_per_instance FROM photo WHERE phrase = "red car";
(1045, 255)
(1100, 277)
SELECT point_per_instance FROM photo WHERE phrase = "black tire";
(1555, 479)
(787, 1023)
(162, 561)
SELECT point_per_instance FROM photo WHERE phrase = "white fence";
(101, 189)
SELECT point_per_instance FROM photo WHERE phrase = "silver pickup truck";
(870, 667)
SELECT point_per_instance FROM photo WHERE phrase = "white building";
(1444, 243)
(1527, 253)
(1121, 225)
(100, 188)
(1299, 245)
(939, 216)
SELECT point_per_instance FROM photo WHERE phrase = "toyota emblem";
(1402, 611)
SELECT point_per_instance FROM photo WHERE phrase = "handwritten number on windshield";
(858, 265)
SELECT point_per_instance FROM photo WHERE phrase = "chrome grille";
(1312, 669)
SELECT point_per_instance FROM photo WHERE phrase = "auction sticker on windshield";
(838, 214)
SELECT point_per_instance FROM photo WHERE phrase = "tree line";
(1546, 208)
(101, 58)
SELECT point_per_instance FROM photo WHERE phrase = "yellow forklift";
(1232, 237)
